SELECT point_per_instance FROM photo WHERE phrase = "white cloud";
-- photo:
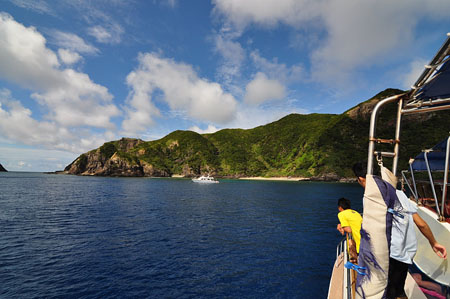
(170, 3)
(265, 12)
(357, 33)
(72, 42)
(77, 101)
(209, 129)
(362, 37)
(110, 35)
(17, 124)
(233, 57)
(181, 89)
(262, 89)
(24, 59)
(248, 117)
(415, 69)
(38, 6)
(277, 70)
(71, 97)
(68, 57)
(34, 159)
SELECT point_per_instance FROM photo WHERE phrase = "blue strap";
(357, 268)
(393, 212)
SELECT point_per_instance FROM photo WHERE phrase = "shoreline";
(285, 179)
(256, 178)
(282, 179)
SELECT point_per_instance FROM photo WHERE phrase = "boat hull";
(426, 259)
(336, 286)
(204, 182)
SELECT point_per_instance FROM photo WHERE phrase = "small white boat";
(205, 180)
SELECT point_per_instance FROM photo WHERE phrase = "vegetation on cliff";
(321, 146)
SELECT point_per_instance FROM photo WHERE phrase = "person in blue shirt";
(403, 239)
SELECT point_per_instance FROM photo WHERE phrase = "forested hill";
(318, 146)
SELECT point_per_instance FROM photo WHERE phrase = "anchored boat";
(205, 180)
(427, 181)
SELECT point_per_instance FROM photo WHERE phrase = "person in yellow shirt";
(350, 222)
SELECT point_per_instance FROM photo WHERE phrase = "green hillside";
(312, 145)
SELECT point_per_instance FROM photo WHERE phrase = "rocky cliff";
(2, 168)
(111, 160)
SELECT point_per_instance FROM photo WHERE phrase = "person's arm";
(426, 231)
(343, 229)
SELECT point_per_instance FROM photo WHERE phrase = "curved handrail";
(373, 123)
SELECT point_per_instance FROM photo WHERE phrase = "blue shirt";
(403, 237)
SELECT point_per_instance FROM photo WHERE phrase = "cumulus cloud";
(17, 124)
(209, 129)
(262, 89)
(358, 33)
(361, 38)
(71, 97)
(181, 89)
(265, 12)
(68, 57)
(110, 35)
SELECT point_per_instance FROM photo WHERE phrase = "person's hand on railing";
(340, 229)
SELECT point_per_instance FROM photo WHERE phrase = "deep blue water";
(92, 237)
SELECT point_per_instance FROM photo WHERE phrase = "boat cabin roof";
(435, 157)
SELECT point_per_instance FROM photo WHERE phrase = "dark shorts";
(396, 279)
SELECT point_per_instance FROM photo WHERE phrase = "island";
(314, 147)
(2, 169)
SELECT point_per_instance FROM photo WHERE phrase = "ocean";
(98, 237)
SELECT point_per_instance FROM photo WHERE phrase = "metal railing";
(408, 104)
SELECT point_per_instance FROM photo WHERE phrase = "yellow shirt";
(353, 220)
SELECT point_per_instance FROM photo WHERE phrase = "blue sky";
(77, 73)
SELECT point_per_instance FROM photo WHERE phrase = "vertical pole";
(425, 155)
(413, 191)
(444, 189)
(397, 137)
(346, 271)
(414, 182)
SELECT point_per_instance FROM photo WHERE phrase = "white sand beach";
(293, 179)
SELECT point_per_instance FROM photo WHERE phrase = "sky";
(77, 73)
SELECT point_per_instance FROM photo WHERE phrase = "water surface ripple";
(92, 237)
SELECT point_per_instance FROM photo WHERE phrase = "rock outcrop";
(2, 169)
(364, 110)
(111, 159)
